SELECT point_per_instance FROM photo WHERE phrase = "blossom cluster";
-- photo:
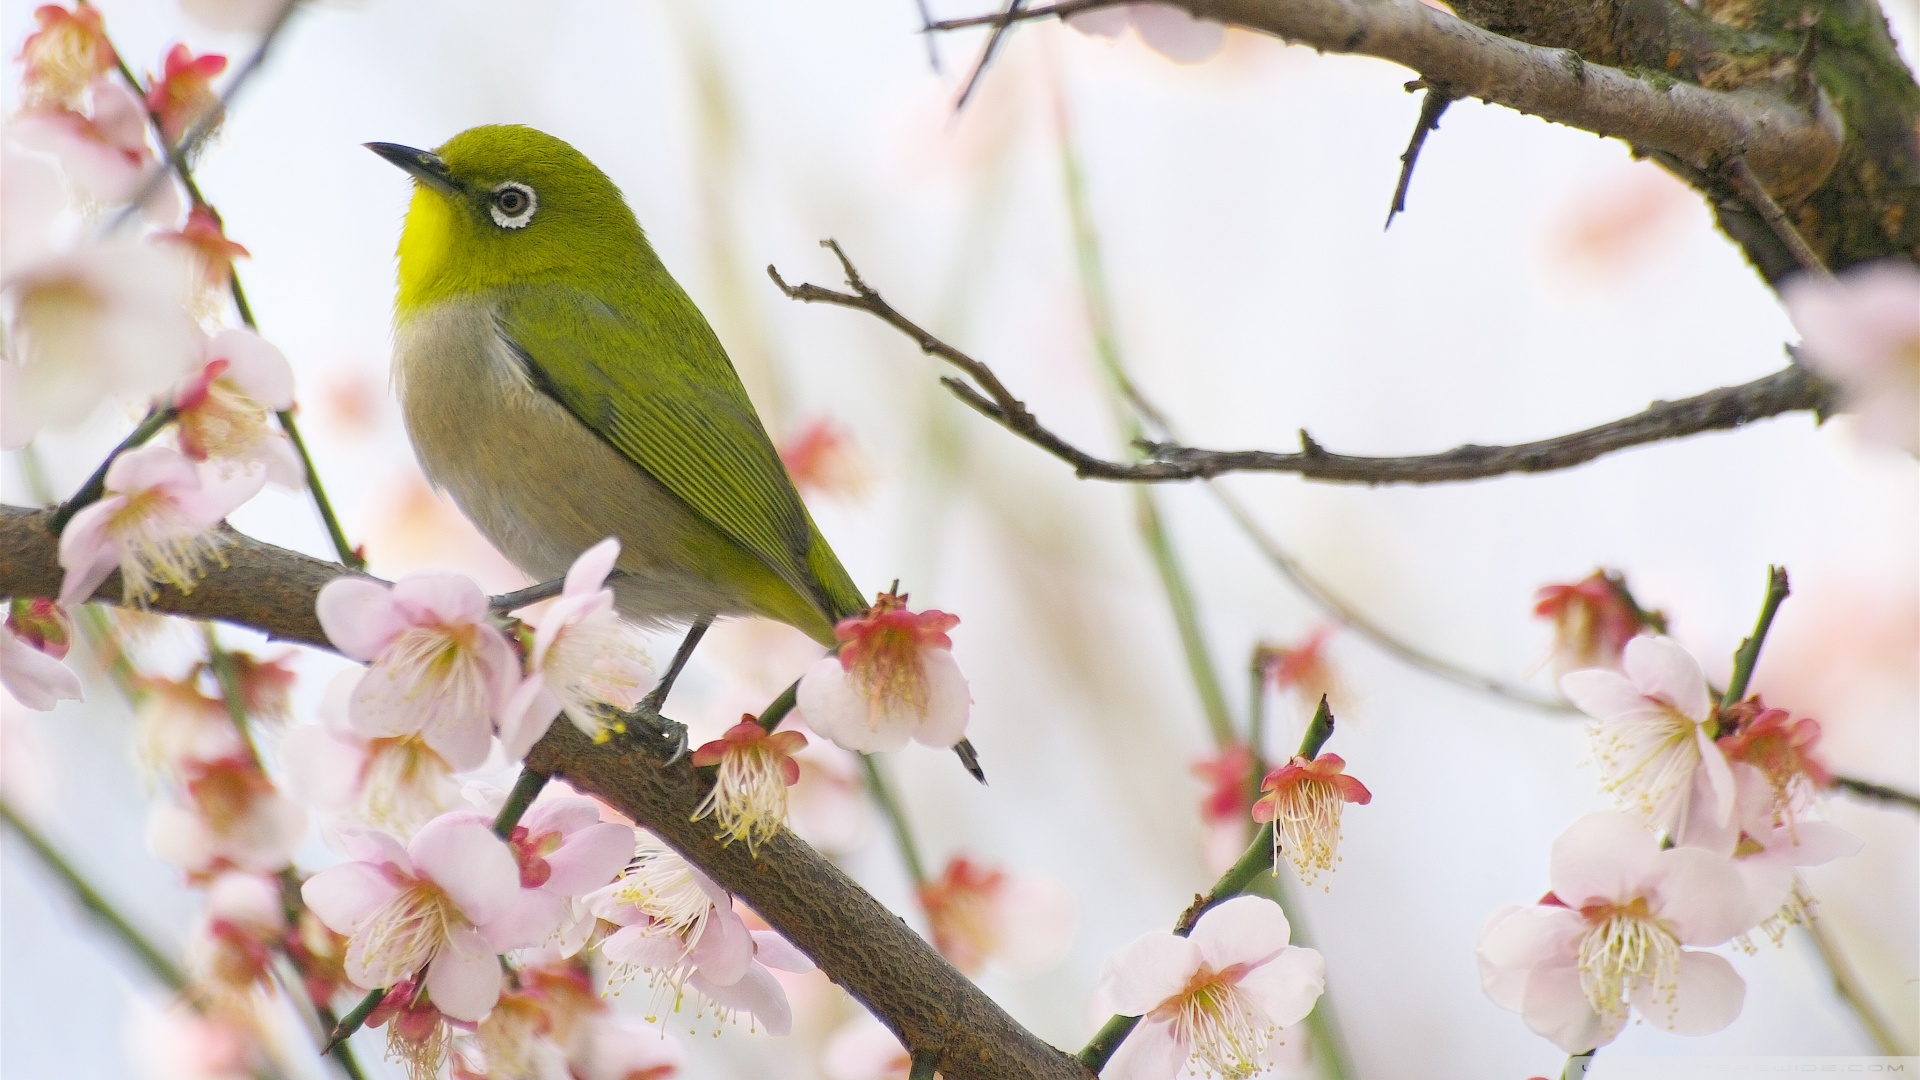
(1718, 809)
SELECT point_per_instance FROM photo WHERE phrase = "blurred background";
(1541, 281)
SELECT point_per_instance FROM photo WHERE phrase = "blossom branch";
(1791, 146)
(178, 158)
(1872, 792)
(1255, 861)
(1792, 389)
(865, 947)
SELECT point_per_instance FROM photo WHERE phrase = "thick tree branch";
(854, 938)
(1791, 146)
(1789, 390)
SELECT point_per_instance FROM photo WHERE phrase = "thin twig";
(926, 26)
(1431, 107)
(525, 789)
(177, 155)
(96, 485)
(1867, 789)
(1754, 194)
(1749, 652)
(1350, 617)
(157, 963)
(1788, 390)
(1008, 18)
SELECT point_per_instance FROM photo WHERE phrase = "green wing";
(653, 381)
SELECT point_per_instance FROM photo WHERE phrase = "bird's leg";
(648, 711)
(658, 695)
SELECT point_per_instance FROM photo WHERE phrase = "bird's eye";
(513, 205)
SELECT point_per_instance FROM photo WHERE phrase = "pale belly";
(543, 488)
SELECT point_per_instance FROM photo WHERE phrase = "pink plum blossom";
(178, 1042)
(1303, 799)
(678, 925)
(1767, 847)
(154, 524)
(1613, 934)
(827, 807)
(1861, 331)
(204, 241)
(1650, 735)
(183, 94)
(752, 772)
(1168, 30)
(89, 322)
(1592, 622)
(231, 948)
(1214, 1002)
(65, 54)
(437, 667)
(32, 644)
(223, 409)
(105, 152)
(428, 911)
(979, 913)
(564, 852)
(394, 783)
(894, 679)
(227, 814)
(584, 660)
(178, 725)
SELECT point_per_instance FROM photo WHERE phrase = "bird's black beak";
(425, 166)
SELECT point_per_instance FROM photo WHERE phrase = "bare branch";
(1791, 147)
(1788, 390)
(854, 938)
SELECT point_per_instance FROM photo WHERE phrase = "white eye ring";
(513, 204)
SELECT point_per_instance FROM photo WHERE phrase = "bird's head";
(504, 204)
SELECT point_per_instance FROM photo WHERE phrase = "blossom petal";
(757, 992)
(254, 365)
(529, 711)
(1707, 999)
(1515, 940)
(839, 713)
(1244, 930)
(464, 858)
(1106, 22)
(725, 949)
(322, 769)
(1287, 986)
(150, 468)
(36, 679)
(376, 847)
(343, 896)
(436, 597)
(589, 572)
(1602, 857)
(359, 616)
(774, 951)
(565, 815)
(1698, 895)
(948, 702)
(642, 948)
(1660, 668)
(1602, 694)
(1148, 970)
(589, 858)
(1811, 843)
(1152, 1052)
(1556, 1008)
(464, 976)
(1719, 777)
(87, 552)
(536, 915)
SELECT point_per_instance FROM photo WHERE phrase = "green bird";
(560, 385)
